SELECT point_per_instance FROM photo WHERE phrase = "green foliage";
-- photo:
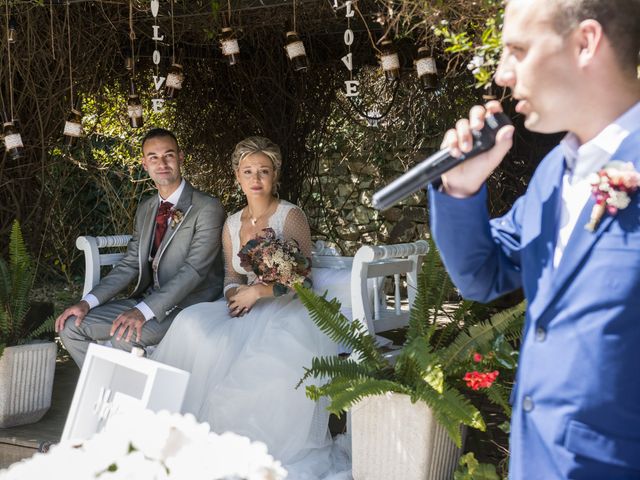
(16, 280)
(470, 469)
(440, 339)
(485, 50)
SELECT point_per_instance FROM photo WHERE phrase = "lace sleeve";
(297, 227)
(231, 277)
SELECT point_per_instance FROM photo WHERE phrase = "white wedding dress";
(244, 370)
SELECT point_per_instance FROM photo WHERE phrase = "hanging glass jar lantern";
(426, 69)
(229, 45)
(128, 58)
(296, 52)
(134, 108)
(389, 60)
(175, 77)
(73, 126)
(13, 141)
(13, 30)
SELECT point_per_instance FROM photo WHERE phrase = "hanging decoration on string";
(389, 60)
(175, 77)
(375, 113)
(426, 68)
(157, 102)
(351, 85)
(228, 40)
(13, 30)
(134, 106)
(73, 125)
(295, 48)
(12, 138)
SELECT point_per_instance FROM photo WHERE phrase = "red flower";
(477, 380)
(477, 357)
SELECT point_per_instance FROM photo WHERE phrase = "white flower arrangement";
(144, 445)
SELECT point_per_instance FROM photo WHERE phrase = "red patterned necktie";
(164, 212)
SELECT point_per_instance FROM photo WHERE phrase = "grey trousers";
(97, 326)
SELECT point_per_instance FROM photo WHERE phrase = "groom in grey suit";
(174, 256)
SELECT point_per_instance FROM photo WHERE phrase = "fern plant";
(440, 340)
(16, 280)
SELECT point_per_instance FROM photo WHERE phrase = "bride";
(246, 352)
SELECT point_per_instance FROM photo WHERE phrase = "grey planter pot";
(393, 438)
(26, 383)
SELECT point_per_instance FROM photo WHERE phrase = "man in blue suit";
(571, 66)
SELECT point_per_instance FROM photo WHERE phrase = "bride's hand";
(242, 300)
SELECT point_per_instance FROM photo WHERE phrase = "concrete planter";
(396, 439)
(26, 383)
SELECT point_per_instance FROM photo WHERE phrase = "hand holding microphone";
(483, 140)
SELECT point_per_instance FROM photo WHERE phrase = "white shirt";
(143, 307)
(580, 162)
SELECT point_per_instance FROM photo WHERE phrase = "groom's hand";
(128, 322)
(79, 310)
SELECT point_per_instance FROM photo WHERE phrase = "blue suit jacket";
(577, 398)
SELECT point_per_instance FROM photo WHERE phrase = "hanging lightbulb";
(134, 108)
(296, 52)
(229, 45)
(389, 60)
(426, 69)
(13, 141)
(13, 29)
(175, 77)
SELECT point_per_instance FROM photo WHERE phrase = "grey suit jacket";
(188, 266)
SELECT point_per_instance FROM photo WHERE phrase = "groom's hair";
(157, 133)
(619, 19)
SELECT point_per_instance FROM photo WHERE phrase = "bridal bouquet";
(276, 261)
(144, 445)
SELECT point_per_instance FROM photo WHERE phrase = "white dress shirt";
(142, 306)
(580, 162)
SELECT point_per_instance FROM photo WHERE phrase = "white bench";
(357, 282)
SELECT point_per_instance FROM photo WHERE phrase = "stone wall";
(338, 204)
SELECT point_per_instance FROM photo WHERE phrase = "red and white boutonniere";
(176, 217)
(612, 188)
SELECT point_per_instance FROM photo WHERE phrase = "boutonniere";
(176, 217)
(612, 188)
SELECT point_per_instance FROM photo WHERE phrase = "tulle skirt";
(243, 376)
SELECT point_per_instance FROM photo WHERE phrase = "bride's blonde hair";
(251, 145)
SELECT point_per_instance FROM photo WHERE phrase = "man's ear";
(589, 41)
(143, 161)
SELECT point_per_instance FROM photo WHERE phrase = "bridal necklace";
(254, 219)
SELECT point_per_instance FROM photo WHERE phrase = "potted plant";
(408, 415)
(26, 366)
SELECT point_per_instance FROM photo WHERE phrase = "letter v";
(348, 61)
(158, 81)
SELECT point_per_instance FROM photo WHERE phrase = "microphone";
(431, 168)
